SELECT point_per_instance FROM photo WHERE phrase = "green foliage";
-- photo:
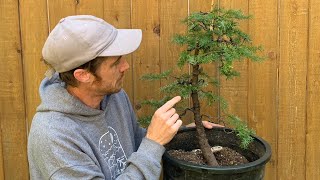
(145, 121)
(212, 37)
(242, 130)
(216, 37)
(163, 75)
(212, 98)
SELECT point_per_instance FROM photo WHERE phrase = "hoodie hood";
(55, 97)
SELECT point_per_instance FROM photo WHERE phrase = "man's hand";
(206, 124)
(165, 123)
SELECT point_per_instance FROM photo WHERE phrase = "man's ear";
(82, 75)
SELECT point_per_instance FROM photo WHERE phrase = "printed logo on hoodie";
(112, 152)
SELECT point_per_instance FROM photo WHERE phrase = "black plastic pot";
(258, 153)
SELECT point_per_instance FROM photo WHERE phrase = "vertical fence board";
(211, 69)
(58, 9)
(12, 104)
(262, 107)
(170, 24)
(205, 5)
(1, 156)
(34, 30)
(118, 13)
(2, 53)
(313, 93)
(292, 89)
(90, 7)
(1, 147)
(235, 90)
(145, 16)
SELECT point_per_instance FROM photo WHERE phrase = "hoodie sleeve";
(145, 163)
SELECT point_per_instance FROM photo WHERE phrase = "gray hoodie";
(69, 140)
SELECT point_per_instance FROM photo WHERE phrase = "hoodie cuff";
(148, 159)
(151, 147)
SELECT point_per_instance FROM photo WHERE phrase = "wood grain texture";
(90, 7)
(12, 105)
(313, 93)
(2, 53)
(292, 89)
(58, 9)
(263, 77)
(145, 16)
(1, 157)
(34, 31)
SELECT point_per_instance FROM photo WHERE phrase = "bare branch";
(185, 111)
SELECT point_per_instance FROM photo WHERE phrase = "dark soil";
(225, 157)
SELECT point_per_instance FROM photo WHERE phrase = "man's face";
(110, 75)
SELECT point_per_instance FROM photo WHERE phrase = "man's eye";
(117, 61)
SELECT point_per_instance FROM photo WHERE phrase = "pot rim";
(222, 169)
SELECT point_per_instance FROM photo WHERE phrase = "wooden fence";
(279, 97)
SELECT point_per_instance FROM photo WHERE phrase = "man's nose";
(124, 66)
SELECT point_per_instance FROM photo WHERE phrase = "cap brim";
(127, 41)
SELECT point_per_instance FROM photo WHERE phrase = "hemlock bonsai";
(212, 38)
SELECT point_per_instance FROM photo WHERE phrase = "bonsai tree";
(212, 38)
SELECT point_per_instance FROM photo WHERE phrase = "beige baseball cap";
(76, 40)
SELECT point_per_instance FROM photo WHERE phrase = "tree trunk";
(203, 141)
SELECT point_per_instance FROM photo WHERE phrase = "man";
(85, 127)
